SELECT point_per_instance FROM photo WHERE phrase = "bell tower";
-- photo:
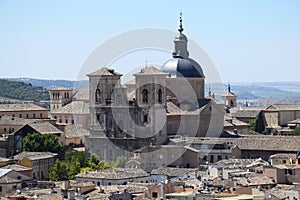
(230, 99)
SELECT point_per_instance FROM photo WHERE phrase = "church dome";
(180, 67)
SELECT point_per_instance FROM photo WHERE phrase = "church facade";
(159, 104)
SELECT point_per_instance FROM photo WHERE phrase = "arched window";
(159, 96)
(145, 120)
(98, 96)
(145, 96)
(231, 103)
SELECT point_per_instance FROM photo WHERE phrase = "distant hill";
(21, 91)
(48, 84)
(258, 93)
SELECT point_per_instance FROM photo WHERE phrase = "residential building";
(283, 159)
(68, 107)
(27, 111)
(38, 127)
(165, 174)
(27, 171)
(75, 135)
(113, 176)
(11, 180)
(40, 162)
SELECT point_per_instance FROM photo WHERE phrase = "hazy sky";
(247, 40)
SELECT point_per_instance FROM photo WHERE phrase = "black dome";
(179, 67)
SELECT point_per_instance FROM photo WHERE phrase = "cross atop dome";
(180, 23)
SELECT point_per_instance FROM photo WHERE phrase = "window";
(72, 121)
(219, 157)
(283, 161)
(4, 129)
(231, 103)
(0, 188)
(211, 158)
(42, 175)
(66, 121)
(98, 96)
(55, 117)
(60, 121)
(154, 194)
(27, 116)
(145, 119)
(13, 115)
(20, 115)
(41, 115)
(159, 96)
(33, 115)
(145, 96)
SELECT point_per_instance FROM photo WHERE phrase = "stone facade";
(157, 105)
(27, 111)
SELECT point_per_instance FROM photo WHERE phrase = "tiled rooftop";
(105, 71)
(151, 70)
(45, 128)
(284, 155)
(172, 171)
(75, 107)
(72, 130)
(114, 173)
(16, 167)
(60, 89)
(21, 107)
(257, 142)
(34, 155)
(81, 95)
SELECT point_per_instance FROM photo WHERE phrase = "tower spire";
(180, 23)
(209, 91)
(180, 48)
(229, 88)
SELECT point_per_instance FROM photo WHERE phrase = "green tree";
(82, 157)
(120, 161)
(94, 161)
(258, 124)
(41, 143)
(296, 131)
(59, 171)
(73, 168)
(252, 124)
(32, 142)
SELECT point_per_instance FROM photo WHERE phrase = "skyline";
(247, 41)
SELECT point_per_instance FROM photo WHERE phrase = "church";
(154, 107)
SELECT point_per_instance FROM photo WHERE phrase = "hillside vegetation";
(22, 91)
